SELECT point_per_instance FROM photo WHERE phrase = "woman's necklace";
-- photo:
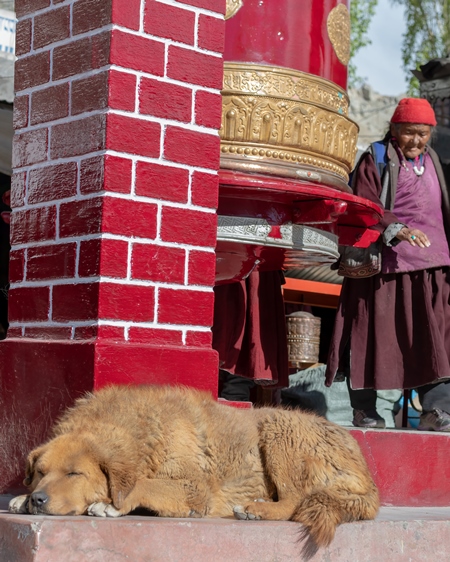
(418, 166)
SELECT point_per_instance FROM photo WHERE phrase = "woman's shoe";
(436, 420)
(370, 419)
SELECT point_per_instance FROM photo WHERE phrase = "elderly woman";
(396, 324)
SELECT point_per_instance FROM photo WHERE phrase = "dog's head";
(72, 471)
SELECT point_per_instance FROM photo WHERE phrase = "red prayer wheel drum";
(308, 35)
(285, 107)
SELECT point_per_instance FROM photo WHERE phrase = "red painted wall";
(114, 196)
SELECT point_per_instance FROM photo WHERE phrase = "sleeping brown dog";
(179, 453)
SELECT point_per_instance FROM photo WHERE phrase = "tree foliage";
(361, 12)
(427, 34)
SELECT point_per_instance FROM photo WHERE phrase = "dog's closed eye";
(73, 473)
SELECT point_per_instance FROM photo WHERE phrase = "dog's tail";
(323, 510)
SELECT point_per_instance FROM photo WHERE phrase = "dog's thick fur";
(179, 453)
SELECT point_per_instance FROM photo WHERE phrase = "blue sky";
(381, 63)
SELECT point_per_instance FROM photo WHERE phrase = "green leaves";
(427, 34)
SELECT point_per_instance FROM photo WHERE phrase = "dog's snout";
(38, 499)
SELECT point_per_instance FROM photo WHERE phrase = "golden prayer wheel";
(303, 337)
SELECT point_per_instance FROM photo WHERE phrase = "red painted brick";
(16, 266)
(118, 174)
(109, 173)
(89, 94)
(199, 229)
(49, 104)
(33, 225)
(211, 33)
(122, 90)
(51, 26)
(114, 258)
(192, 308)
(129, 218)
(213, 5)
(158, 263)
(127, 13)
(169, 22)
(205, 190)
(77, 301)
(23, 37)
(79, 218)
(138, 53)
(133, 136)
(162, 182)
(126, 302)
(103, 257)
(78, 137)
(165, 100)
(85, 332)
(208, 109)
(201, 268)
(155, 336)
(198, 339)
(52, 182)
(90, 14)
(89, 260)
(194, 67)
(51, 262)
(25, 7)
(18, 188)
(14, 332)
(20, 113)
(82, 55)
(110, 332)
(30, 148)
(31, 71)
(49, 333)
(28, 304)
(92, 175)
(192, 148)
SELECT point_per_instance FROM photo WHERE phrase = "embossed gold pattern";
(338, 26)
(261, 80)
(283, 122)
(232, 7)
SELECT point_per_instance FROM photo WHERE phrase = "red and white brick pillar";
(114, 196)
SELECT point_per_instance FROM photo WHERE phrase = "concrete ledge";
(400, 534)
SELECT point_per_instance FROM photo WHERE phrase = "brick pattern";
(115, 159)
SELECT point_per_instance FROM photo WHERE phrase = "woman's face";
(411, 138)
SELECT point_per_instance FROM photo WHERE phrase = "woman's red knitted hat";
(414, 110)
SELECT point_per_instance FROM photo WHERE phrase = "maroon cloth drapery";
(249, 330)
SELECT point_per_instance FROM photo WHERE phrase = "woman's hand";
(414, 236)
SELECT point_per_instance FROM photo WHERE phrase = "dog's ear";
(31, 461)
(122, 478)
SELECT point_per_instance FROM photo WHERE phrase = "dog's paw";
(195, 514)
(19, 504)
(101, 509)
(243, 514)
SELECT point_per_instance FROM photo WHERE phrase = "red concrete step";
(400, 534)
(410, 467)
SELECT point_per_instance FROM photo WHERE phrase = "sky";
(381, 62)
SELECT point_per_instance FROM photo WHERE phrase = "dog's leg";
(19, 504)
(168, 498)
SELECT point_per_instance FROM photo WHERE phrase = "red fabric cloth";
(414, 110)
(249, 330)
